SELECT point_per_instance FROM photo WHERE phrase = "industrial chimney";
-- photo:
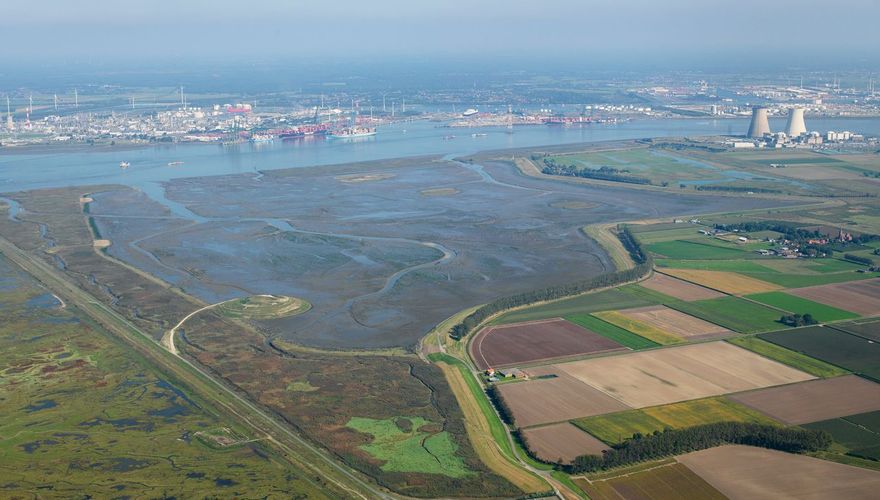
(796, 124)
(759, 125)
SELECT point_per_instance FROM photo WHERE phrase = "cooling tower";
(796, 124)
(759, 125)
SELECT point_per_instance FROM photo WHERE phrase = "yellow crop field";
(727, 282)
(640, 328)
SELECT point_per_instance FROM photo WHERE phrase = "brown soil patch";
(535, 340)
(565, 441)
(748, 473)
(675, 322)
(861, 297)
(554, 400)
(679, 289)
(815, 400)
(662, 376)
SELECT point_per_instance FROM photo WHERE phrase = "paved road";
(296, 449)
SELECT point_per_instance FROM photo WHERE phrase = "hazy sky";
(53, 29)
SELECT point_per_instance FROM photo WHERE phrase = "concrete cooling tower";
(795, 126)
(759, 125)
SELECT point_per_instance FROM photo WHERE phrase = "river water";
(150, 165)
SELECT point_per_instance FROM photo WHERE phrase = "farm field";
(862, 297)
(860, 434)
(815, 400)
(504, 345)
(564, 440)
(788, 357)
(616, 427)
(587, 303)
(675, 322)
(867, 329)
(82, 413)
(727, 282)
(554, 400)
(640, 328)
(832, 345)
(733, 313)
(744, 472)
(656, 377)
(799, 305)
(679, 289)
(666, 482)
(694, 249)
(615, 333)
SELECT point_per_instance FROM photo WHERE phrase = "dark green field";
(794, 304)
(732, 312)
(834, 346)
(81, 416)
(860, 434)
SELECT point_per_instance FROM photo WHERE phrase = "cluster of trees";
(674, 442)
(859, 259)
(798, 320)
(642, 268)
(604, 173)
(737, 189)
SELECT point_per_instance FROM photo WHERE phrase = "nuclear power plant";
(796, 125)
(760, 125)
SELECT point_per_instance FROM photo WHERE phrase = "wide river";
(150, 165)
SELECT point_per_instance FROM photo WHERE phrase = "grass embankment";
(637, 327)
(616, 427)
(609, 242)
(484, 428)
(788, 357)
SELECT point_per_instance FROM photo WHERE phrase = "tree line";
(642, 268)
(677, 441)
(604, 173)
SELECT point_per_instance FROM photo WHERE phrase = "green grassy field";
(735, 265)
(675, 233)
(732, 312)
(694, 250)
(404, 445)
(833, 346)
(637, 327)
(794, 304)
(804, 280)
(859, 434)
(83, 413)
(616, 427)
(788, 357)
(582, 304)
(615, 333)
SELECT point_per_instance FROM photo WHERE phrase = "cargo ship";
(352, 132)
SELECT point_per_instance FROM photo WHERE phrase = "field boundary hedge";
(675, 442)
(644, 264)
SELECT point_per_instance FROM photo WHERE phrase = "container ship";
(352, 132)
(304, 131)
